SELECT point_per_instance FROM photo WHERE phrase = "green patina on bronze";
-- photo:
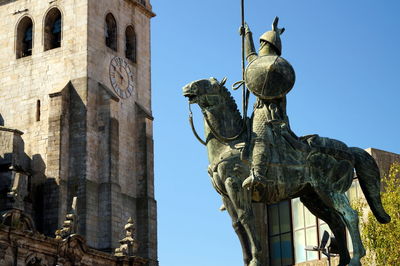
(268, 163)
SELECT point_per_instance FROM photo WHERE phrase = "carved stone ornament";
(72, 250)
(70, 224)
(3, 250)
(36, 259)
(129, 245)
(19, 190)
(17, 220)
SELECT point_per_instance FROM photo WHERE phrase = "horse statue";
(320, 177)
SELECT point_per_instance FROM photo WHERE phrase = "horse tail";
(370, 181)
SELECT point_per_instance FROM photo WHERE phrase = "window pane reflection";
(298, 215)
(286, 249)
(273, 219)
(280, 234)
(299, 246)
(312, 240)
(324, 227)
(284, 216)
(310, 219)
(275, 250)
(305, 232)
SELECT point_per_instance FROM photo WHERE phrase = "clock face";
(121, 77)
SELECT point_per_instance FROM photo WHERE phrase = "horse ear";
(223, 81)
(213, 80)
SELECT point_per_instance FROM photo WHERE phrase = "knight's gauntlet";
(249, 49)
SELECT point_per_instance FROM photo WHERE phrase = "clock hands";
(119, 73)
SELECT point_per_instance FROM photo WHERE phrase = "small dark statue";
(262, 160)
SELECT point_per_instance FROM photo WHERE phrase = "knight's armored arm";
(249, 49)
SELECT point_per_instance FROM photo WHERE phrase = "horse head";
(207, 93)
(218, 106)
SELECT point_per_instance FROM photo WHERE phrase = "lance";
(245, 91)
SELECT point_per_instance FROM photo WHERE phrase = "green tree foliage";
(382, 241)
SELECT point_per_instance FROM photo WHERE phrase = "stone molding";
(22, 247)
(145, 111)
(16, 131)
(149, 13)
(109, 91)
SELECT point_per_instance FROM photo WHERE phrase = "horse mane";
(231, 104)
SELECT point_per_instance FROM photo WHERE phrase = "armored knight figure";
(270, 78)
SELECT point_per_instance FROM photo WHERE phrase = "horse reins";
(193, 128)
(219, 137)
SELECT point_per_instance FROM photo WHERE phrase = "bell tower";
(75, 82)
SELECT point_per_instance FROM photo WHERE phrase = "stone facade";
(30, 249)
(384, 159)
(78, 137)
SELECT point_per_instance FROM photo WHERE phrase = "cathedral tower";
(75, 80)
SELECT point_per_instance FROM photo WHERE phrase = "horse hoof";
(355, 262)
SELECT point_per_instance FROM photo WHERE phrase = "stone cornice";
(143, 8)
(145, 111)
(11, 130)
(109, 91)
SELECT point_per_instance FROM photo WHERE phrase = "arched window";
(52, 29)
(111, 32)
(130, 44)
(24, 37)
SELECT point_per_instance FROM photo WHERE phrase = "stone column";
(146, 204)
(54, 189)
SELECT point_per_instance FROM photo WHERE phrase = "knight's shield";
(269, 77)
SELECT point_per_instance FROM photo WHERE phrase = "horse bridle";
(218, 136)
(193, 128)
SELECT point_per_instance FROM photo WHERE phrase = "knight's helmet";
(270, 76)
(273, 36)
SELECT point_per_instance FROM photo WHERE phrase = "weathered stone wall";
(42, 77)
(86, 142)
(28, 79)
(126, 134)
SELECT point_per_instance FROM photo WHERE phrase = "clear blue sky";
(347, 62)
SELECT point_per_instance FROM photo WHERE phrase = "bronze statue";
(270, 78)
(280, 165)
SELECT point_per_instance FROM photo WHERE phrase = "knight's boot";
(255, 179)
(257, 183)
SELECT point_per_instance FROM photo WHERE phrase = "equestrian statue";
(261, 159)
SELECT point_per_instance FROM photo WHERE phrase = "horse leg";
(241, 200)
(350, 217)
(239, 229)
(321, 210)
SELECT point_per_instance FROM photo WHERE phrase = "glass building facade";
(292, 227)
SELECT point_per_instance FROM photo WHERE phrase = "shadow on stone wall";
(77, 144)
(38, 168)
